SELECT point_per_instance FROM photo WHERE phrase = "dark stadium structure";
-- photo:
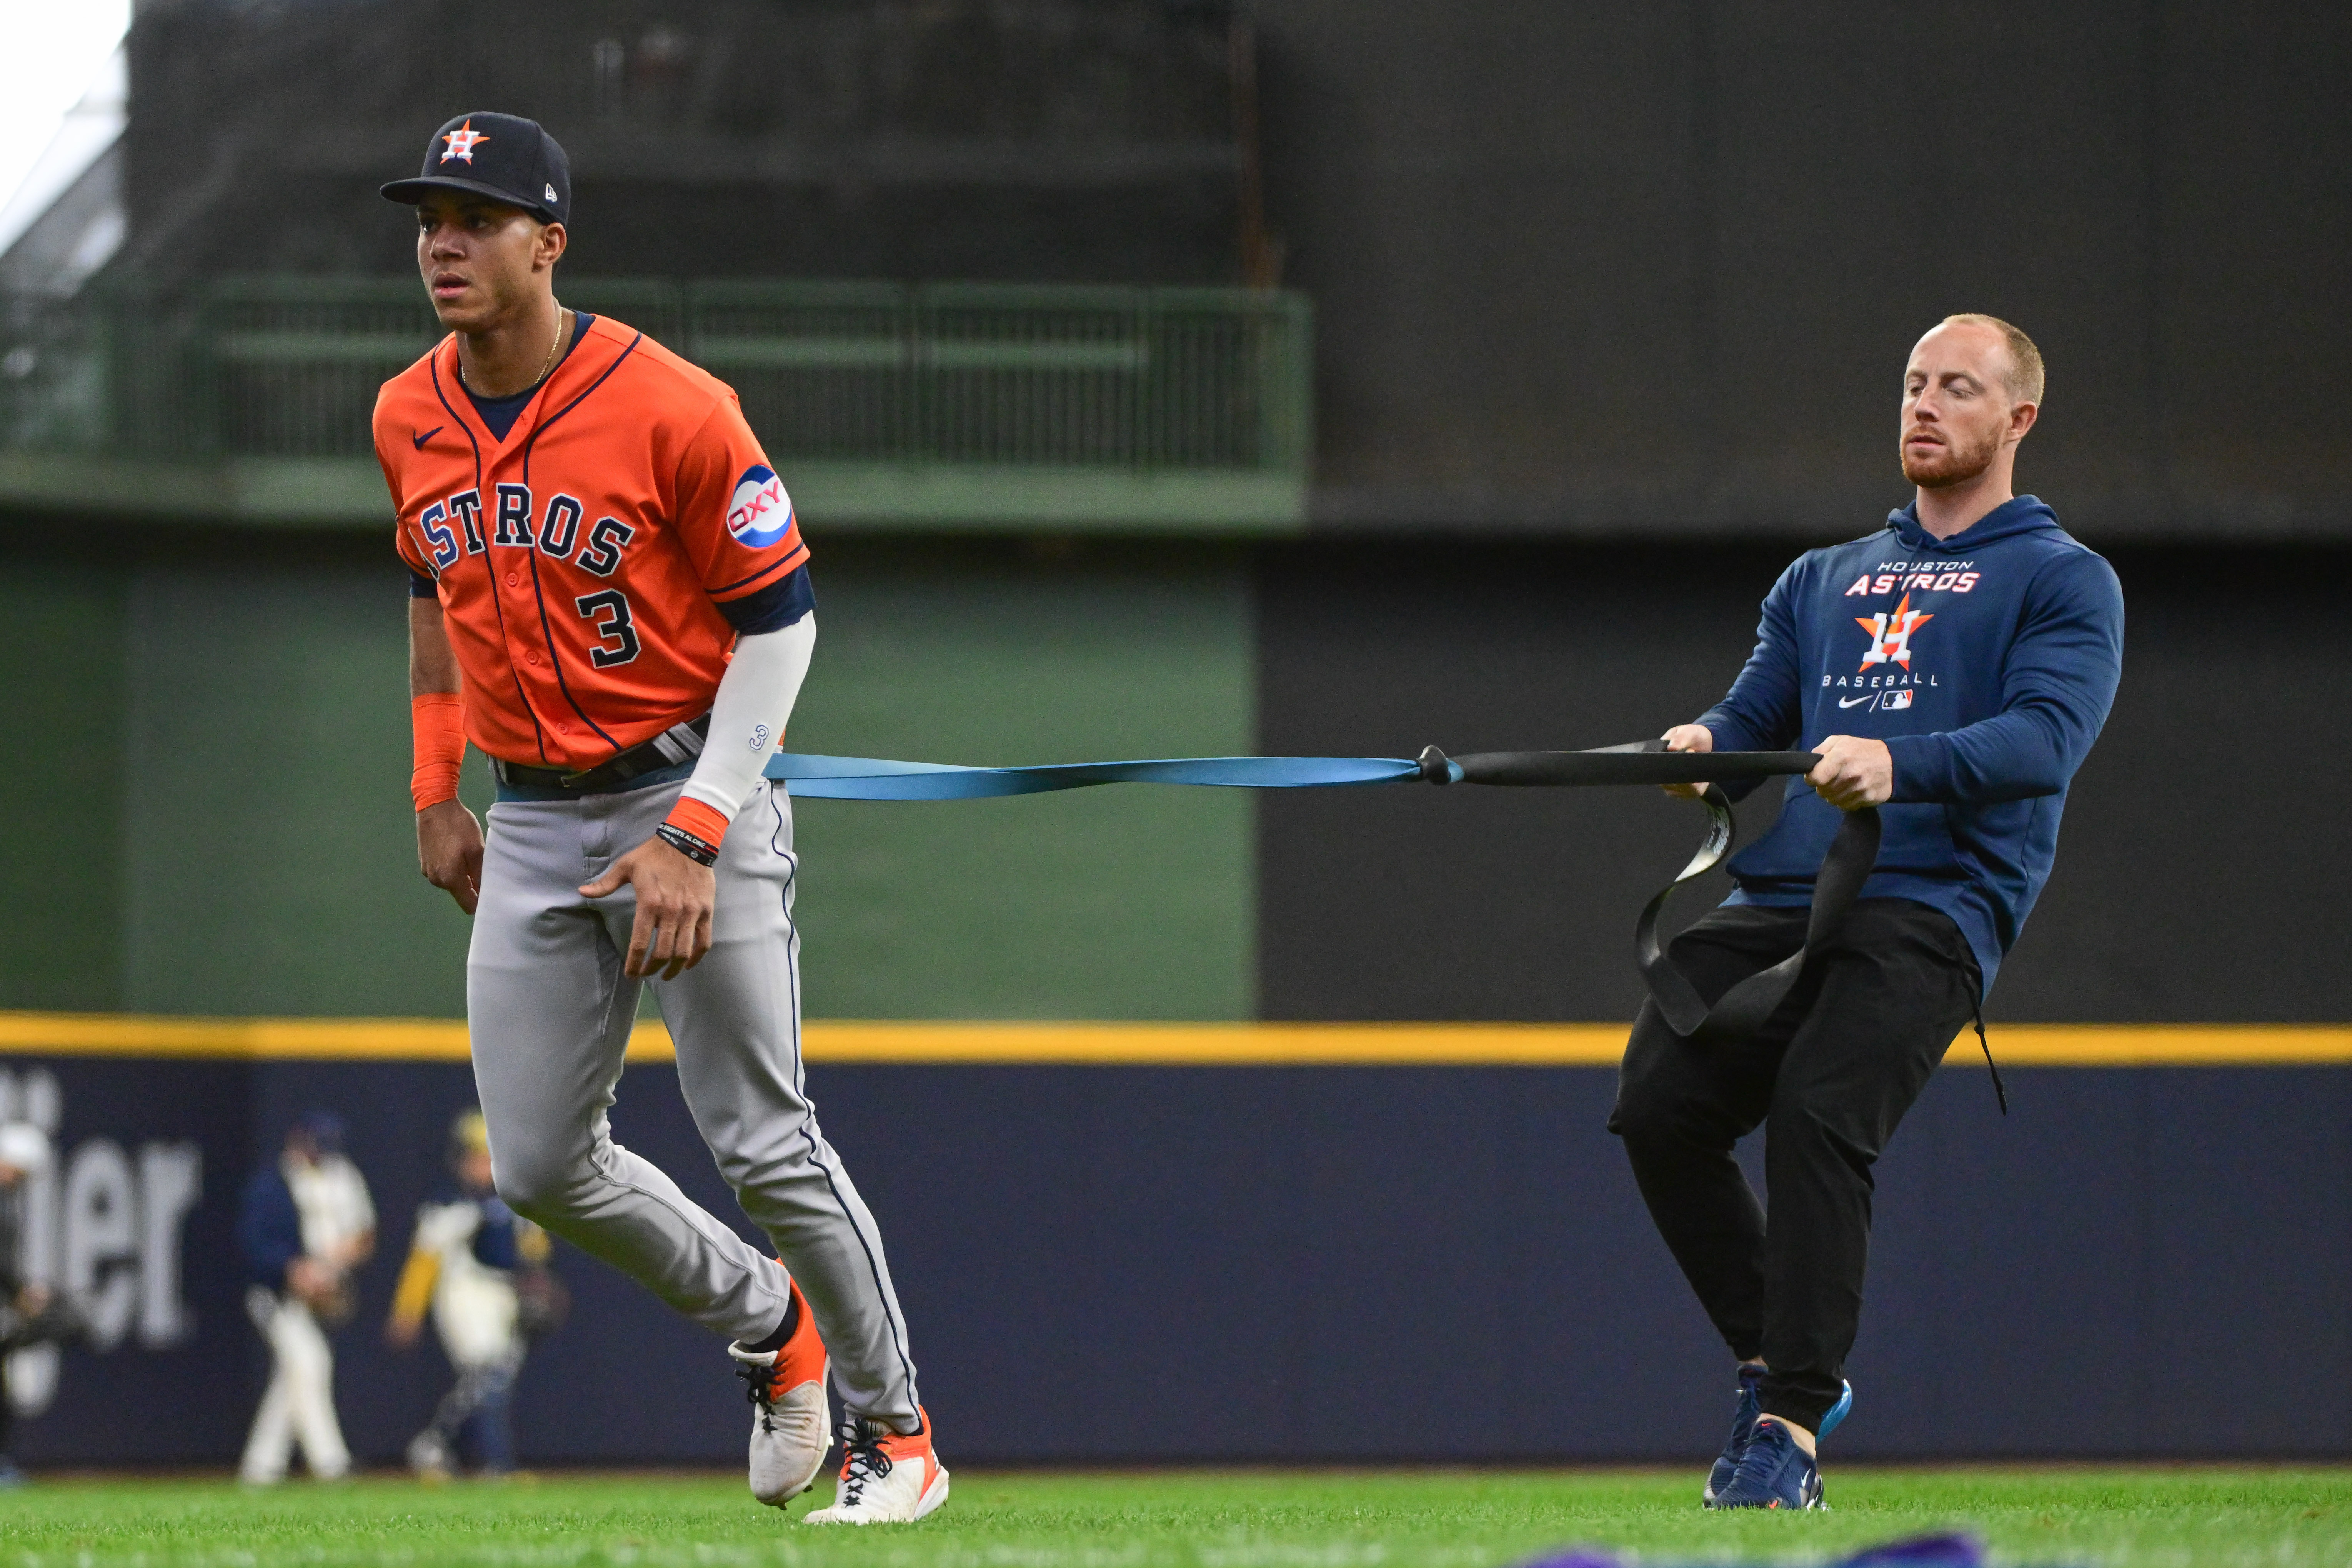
(1063, 141)
(1315, 376)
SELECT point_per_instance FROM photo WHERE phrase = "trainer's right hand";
(449, 851)
(1688, 737)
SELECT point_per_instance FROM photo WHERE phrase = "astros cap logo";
(462, 143)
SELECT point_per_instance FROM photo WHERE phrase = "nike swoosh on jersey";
(420, 440)
(1850, 701)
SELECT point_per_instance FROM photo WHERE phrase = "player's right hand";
(449, 851)
(1688, 737)
(308, 1281)
(675, 901)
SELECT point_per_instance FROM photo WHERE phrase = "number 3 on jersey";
(610, 612)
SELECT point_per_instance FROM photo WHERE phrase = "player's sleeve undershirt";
(748, 715)
(775, 634)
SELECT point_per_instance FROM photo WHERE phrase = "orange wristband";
(698, 819)
(439, 720)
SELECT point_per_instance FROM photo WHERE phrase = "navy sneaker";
(1743, 1426)
(1773, 1473)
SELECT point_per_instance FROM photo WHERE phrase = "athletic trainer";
(611, 598)
(1952, 669)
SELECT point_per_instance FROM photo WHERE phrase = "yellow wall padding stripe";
(1143, 1045)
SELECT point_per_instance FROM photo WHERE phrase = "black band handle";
(1636, 763)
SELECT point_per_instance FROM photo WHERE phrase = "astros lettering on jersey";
(580, 560)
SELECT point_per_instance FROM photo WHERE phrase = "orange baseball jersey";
(581, 560)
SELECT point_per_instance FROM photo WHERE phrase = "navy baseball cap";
(324, 1129)
(502, 156)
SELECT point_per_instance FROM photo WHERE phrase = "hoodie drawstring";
(1976, 1007)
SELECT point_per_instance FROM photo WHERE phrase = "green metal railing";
(969, 404)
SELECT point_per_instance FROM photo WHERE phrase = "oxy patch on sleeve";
(761, 513)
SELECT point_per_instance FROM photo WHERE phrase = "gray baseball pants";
(549, 1011)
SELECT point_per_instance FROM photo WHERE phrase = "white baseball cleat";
(791, 1421)
(886, 1478)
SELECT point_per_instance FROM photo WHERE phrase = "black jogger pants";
(1829, 1076)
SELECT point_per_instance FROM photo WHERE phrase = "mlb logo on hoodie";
(1895, 699)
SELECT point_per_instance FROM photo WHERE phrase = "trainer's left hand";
(674, 896)
(1853, 772)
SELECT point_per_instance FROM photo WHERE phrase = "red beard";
(1950, 464)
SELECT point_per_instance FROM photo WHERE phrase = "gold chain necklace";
(545, 365)
(556, 342)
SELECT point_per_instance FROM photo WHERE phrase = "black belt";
(678, 744)
(1740, 1011)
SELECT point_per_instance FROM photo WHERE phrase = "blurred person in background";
(30, 1313)
(306, 1223)
(481, 1270)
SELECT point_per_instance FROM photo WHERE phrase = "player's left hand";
(674, 896)
(1854, 771)
(449, 851)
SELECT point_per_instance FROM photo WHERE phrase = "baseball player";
(306, 1223)
(30, 1313)
(463, 1265)
(610, 598)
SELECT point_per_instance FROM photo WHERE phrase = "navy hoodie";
(1987, 663)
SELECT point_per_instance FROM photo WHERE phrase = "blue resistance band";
(1732, 1016)
(1638, 762)
(878, 778)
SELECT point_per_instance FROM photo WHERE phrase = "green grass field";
(2175, 1518)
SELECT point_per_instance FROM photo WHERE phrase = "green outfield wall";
(217, 820)
(209, 786)
(61, 643)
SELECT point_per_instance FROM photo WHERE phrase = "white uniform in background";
(474, 1305)
(333, 1200)
(477, 1313)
